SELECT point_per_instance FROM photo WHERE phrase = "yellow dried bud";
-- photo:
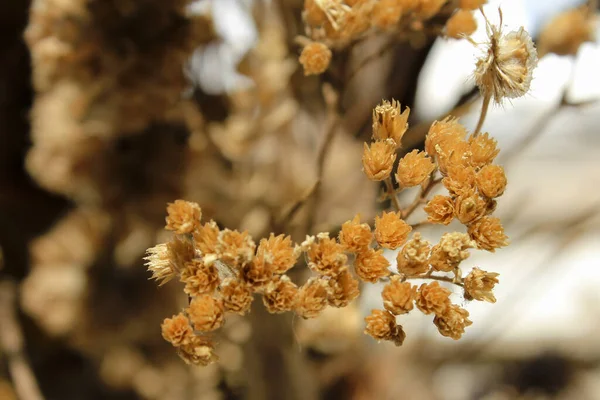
(200, 351)
(452, 322)
(414, 168)
(471, 4)
(483, 150)
(326, 256)
(488, 233)
(566, 32)
(166, 260)
(280, 295)
(206, 238)
(237, 296)
(315, 58)
(440, 209)
(432, 298)
(177, 330)
(355, 236)
(389, 123)
(342, 289)
(460, 24)
(278, 252)
(451, 251)
(469, 207)
(371, 265)
(386, 14)
(183, 216)
(235, 248)
(412, 259)
(443, 134)
(378, 159)
(391, 231)
(491, 181)
(258, 273)
(206, 313)
(453, 155)
(479, 285)
(199, 278)
(399, 297)
(381, 325)
(312, 298)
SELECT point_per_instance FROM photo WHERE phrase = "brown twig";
(391, 193)
(421, 197)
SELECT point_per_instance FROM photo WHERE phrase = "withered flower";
(199, 278)
(237, 296)
(391, 231)
(235, 248)
(451, 251)
(389, 123)
(343, 288)
(177, 330)
(444, 134)
(280, 296)
(206, 238)
(311, 298)
(371, 265)
(479, 285)
(461, 24)
(200, 351)
(488, 232)
(381, 325)
(166, 260)
(354, 236)
(567, 31)
(378, 159)
(432, 298)
(399, 297)
(440, 209)
(452, 322)
(315, 58)
(469, 206)
(206, 313)
(278, 251)
(183, 216)
(326, 256)
(412, 259)
(491, 181)
(414, 168)
(459, 179)
(483, 150)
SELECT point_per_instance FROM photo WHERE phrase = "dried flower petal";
(354, 236)
(206, 313)
(378, 159)
(488, 233)
(166, 260)
(183, 216)
(469, 206)
(371, 265)
(479, 285)
(414, 168)
(342, 289)
(452, 322)
(177, 330)
(389, 123)
(444, 134)
(399, 297)
(391, 231)
(278, 252)
(491, 181)
(280, 296)
(235, 248)
(483, 150)
(312, 298)
(440, 209)
(432, 298)
(199, 278)
(459, 179)
(237, 296)
(326, 256)
(206, 238)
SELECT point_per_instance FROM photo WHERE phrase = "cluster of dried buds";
(337, 23)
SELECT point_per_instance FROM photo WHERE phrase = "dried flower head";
(488, 233)
(378, 159)
(426, 9)
(399, 297)
(432, 298)
(455, 154)
(280, 295)
(452, 322)
(381, 325)
(183, 216)
(166, 260)
(354, 236)
(483, 150)
(206, 313)
(412, 259)
(471, 4)
(235, 248)
(461, 24)
(326, 256)
(313, 14)
(491, 181)
(386, 14)
(566, 32)
(278, 252)
(391, 231)
(200, 351)
(236, 295)
(479, 285)
(443, 135)
(389, 123)
(315, 58)
(312, 298)
(469, 206)
(440, 209)
(451, 251)
(206, 238)
(258, 273)
(199, 278)
(414, 168)
(371, 265)
(343, 288)
(505, 71)
(177, 330)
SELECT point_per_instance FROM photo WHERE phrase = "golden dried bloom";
(399, 297)
(311, 298)
(378, 159)
(313, 14)
(237, 296)
(460, 24)
(491, 181)
(479, 285)
(389, 123)
(235, 248)
(488, 233)
(453, 155)
(412, 259)
(381, 325)
(428, 8)
(371, 265)
(391, 231)
(483, 150)
(452, 322)
(386, 14)
(326, 256)
(567, 31)
(315, 58)
(354, 236)
(444, 134)
(356, 21)
(177, 330)
(451, 251)
(280, 296)
(440, 209)
(199, 278)
(278, 251)
(471, 4)
(206, 238)
(258, 273)
(507, 67)
(469, 206)
(206, 313)
(342, 289)
(459, 179)
(183, 216)
(166, 260)
(432, 298)
(414, 168)
(200, 351)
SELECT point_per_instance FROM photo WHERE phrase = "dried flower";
(371, 265)
(451, 251)
(488, 233)
(453, 154)
(166, 260)
(440, 209)
(199, 278)
(452, 322)
(389, 123)
(432, 298)
(479, 285)
(278, 252)
(313, 14)
(315, 58)
(414, 168)
(200, 351)
(381, 325)
(235, 248)
(445, 134)
(567, 31)
(483, 150)
(399, 297)
(343, 288)
(183, 216)
(471, 4)
(311, 298)
(391, 231)
(257, 273)
(461, 24)
(177, 330)
(237, 296)
(469, 206)
(491, 181)
(206, 313)
(412, 259)
(206, 238)
(378, 159)
(280, 295)
(354, 236)
(426, 9)
(326, 256)
(386, 14)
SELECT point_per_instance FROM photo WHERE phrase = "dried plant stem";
(429, 275)
(484, 109)
(11, 343)
(420, 224)
(421, 197)
(391, 193)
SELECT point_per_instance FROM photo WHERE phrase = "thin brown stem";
(421, 197)
(437, 278)
(484, 109)
(420, 224)
(391, 193)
